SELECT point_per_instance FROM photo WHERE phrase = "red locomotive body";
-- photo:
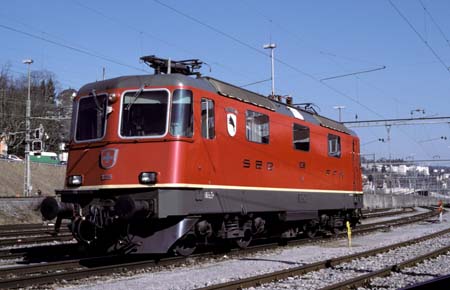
(169, 161)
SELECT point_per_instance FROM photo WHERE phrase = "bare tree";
(48, 108)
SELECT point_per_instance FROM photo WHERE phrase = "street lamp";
(27, 175)
(272, 46)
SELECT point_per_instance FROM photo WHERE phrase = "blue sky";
(75, 39)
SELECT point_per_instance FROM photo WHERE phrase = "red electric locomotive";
(172, 160)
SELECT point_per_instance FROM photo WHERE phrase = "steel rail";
(14, 227)
(300, 270)
(71, 274)
(403, 210)
(33, 253)
(399, 221)
(8, 255)
(31, 232)
(33, 240)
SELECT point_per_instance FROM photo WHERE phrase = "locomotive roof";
(215, 86)
(137, 81)
(247, 96)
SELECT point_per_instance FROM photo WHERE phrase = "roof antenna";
(272, 46)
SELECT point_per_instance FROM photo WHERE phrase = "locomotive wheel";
(335, 231)
(311, 233)
(245, 240)
(310, 230)
(186, 245)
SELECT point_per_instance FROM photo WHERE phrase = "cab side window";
(300, 137)
(208, 119)
(334, 146)
(257, 127)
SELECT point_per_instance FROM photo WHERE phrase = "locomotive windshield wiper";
(135, 97)
(97, 104)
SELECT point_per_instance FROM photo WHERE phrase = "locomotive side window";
(334, 145)
(91, 118)
(301, 137)
(144, 114)
(208, 127)
(181, 114)
(257, 127)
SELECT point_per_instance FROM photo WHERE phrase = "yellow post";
(349, 234)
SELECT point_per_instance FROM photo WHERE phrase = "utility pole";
(27, 175)
(272, 46)
(340, 108)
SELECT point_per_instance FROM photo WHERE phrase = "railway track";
(28, 230)
(12, 242)
(395, 222)
(22, 276)
(40, 253)
(25, 234)
(385, 213)
(364, 280)
(340, 265)
(16, 230)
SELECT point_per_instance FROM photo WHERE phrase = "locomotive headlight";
(112, 98)
(147, 177)
(74, 180)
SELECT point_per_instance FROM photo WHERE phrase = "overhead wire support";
(354, 73)
(255, 83)
(397, 122)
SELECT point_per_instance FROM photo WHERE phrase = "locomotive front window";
(181, 114)
(144, 114)
(91, 118)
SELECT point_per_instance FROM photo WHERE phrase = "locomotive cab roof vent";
(168, 66)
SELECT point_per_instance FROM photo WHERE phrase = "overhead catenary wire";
(154, 37)
(321, 51)
(255, 83)
(261, 52)
(79, 50)
(58, 80)
(435, 23)
(441, 61)
(354, 73)
(300, 39)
